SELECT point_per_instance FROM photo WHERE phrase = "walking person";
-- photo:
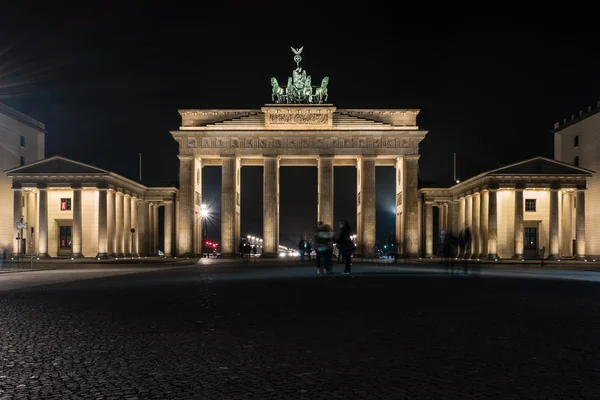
(392, 248)
(542, 255)
(345, 246)
(323, 236)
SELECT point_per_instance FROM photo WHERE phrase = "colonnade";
(478, 211)
(118, 211)
(190, 200)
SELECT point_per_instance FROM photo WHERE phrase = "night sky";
(108, 82)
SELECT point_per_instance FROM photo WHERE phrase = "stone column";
(554, 243)
(446, 222)
(519, 229)
(168, 228)
(367, 199)
(110, 212)
(567, 218)
(483, 221)
(428, 229)
(469, 223)
(150, 231)
(411, 218)
(102, 223)
(271, 206)
(32, 222)
(155, 230)
(492, 224)
(77, 239)
(185, 237)
(399, 206)
(420, 222)
(475, 220)
(43, 222)
(118, 241)
(454, 207)
(228, 199)
(441, 227)
(238, 204)
(461, 214)
(580, 225)
(127, 225)
(135, 224)
(17, 215)
(143, 216)
(325, 190)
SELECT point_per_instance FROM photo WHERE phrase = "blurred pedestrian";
(345, 245)
(323, 245)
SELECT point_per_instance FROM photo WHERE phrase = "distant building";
(577, 142)
(22, 141)
(512, 212)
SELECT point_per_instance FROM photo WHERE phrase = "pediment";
(541, 166)
(56, 165)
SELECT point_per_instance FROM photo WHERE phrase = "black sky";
(108, 83)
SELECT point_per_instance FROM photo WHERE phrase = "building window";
(65, 204)
(576, 141)
(22, 141)
(22, 160)
(530, 205)
(576, 161)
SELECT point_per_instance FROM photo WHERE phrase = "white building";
(577, 142)
(22, 141)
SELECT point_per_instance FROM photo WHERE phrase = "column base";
(120, 255)
(492, 256)
(428, 256)
(553, 257)
(76, 255)
(43, 255)
(581, 257)
(483, 256)
(517, 256)
(189, 255)
(127, 255)
(102, 255)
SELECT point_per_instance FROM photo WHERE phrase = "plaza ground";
(274, 330)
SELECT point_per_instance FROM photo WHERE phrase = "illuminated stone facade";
(513, 212)
(297, 135)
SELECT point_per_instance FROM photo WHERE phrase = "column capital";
(127, 195)
(270, 156)
(76, 186)
(17, 186)
(118, 193)
(183, 157)
(412, 157)
(42, 186)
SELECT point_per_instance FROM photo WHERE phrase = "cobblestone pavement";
(268, 331)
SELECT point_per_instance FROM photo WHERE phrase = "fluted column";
(567, 217)
(143, 216)
(469, 223)
(325, 190)
(367, 233)
(228, 217)
(461, 214)
(238, 204)
(492, 224)
(475, 220)
(580, 225)
(43, 222)
(102, 223)
(168, 228)
(76, 239)
(428, 229)
(155, 230)
(185, 235)
(554, 243)
(519, 229)
(399, 228)
(17, 215)
(118, 241)
(271, 206)
(32, 222)
(483, 221)
(126, 231)
(411, 216)
(135, 224)
(446, 222)
(454, 207)
(110, 212)
(441, 227)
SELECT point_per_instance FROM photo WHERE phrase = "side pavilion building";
(513, 211)
(74, 210)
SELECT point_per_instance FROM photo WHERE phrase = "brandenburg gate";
(299, 128)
